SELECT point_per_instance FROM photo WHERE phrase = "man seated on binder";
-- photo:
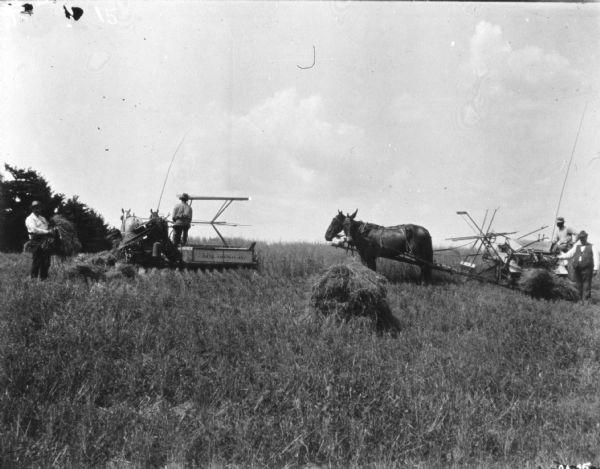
(564, 238)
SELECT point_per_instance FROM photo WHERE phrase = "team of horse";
(408, 243)
(130, 222)
(154, 229)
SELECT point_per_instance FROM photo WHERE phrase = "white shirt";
(182, 214)
(36, 225)
(571, 253)
(564, 235)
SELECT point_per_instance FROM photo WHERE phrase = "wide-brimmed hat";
(560, 220)
(36, 203)
(582, 234)
(184, 196)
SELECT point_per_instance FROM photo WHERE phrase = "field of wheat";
(226, 369)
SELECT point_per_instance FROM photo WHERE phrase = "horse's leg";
(425, 274)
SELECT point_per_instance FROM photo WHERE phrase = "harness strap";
(408, 243)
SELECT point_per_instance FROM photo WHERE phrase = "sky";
(406, 111)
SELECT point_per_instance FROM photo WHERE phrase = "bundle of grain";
(537, 282)
(540, 283)
(352, 290)
(564, 290)
(86, 272)
(126, 270)
(106, 258)
(69, 243)
(113, 274)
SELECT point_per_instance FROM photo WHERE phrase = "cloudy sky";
(411, 111)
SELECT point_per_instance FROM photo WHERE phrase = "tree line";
(23, 186)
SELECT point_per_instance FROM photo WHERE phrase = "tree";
(26, 186)
(91, 229)
(16, 196)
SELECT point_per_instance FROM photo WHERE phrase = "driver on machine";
(564, 238)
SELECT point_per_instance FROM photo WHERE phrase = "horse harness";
(365, 228)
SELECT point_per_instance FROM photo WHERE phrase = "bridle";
(337, 223)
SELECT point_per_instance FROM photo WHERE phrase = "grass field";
(226, 369)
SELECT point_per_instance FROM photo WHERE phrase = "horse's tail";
(427, 247)
(423, 249)
(428, 256)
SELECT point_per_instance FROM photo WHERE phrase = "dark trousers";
(583, 279)
(40, 262)
(180, 233)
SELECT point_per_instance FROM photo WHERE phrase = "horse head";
(337, 225)
(129, 221)
(347, 223)
(124, 216)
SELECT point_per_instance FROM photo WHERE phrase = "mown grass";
(197, 369)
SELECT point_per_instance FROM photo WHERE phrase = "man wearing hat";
(38, 229)
(585, 265)
(563, 239)
(182, 219)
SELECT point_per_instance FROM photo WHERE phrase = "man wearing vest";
(585, 265)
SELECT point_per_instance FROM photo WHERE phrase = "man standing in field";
(39, 231)
(182, 220)
(585, 265)
(563, 239)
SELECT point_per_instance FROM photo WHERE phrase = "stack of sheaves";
(540, 283)
(69, 244)
(352, 290)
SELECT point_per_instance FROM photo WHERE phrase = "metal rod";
(492, 220)
(226, 204)
(469, 224)
(220, 236)
(198, 197)
(534, 231)
(169, 169)
(568, 168)
(464, 238)
(220, 223)
(486, 237)
(485, 218)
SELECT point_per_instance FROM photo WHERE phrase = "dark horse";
(413, 242)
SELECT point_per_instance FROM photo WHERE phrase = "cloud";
(287, 141)
(511, 80)
(487, 49)
(407, 109)
(286, 152)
